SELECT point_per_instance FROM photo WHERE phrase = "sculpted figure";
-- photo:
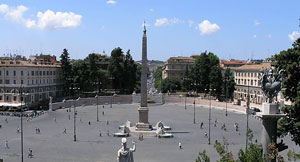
(126, 154)
(271, 83)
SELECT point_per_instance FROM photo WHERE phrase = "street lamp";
(195, 101)
(97, 97)
(21, 91)
(111, 78)
(209, 114)
(70, 98)
(75, 113)
(247, 115)
(226, 91)
(97, 108)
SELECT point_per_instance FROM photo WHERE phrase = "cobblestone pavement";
(52, 145)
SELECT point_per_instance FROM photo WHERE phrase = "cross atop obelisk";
(143, 123)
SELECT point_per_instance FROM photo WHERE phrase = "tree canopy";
(289, 60)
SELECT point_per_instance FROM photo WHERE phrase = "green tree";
(202, 157)
(171, 85)
(200, 71)
(186, 83)
(206, 74)
(66, 70)
(129, 74)
(91, 60)
(158, 78)
(81, 74)
(115, 67)
(229, 84)
(289, 60)
(138, 78)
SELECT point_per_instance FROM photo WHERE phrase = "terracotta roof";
(239, 62)
(254, 66)
(26, 63)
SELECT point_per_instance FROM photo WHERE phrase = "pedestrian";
(107, 122)
(102, 113)
(30, 155)
(205, 134)
(6, 145)
(201, 125)
(54, 119)
(80, 120)
(103, 106)
(100, 133)
(6, 120)
(69, 117)
(180, 146)
(18, 130)
(65, 131)
(107, 133)
(35, 130)
(89, 122)
(67, 110)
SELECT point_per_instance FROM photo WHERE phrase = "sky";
(231, 29)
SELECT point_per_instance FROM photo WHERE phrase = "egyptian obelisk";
(143, 124)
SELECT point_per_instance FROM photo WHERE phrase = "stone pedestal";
(143, 124)
(269, 117)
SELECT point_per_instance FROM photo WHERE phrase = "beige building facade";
(37, 80)
(175, 67)
(247, 79)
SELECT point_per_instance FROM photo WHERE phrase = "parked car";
(253, 110)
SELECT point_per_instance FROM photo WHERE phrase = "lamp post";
(209, 114)
(226, 91)
(97, 97)
(22, 157)
(97, 108)
(111, 78)
(195, 101)
(247, 115)
(185, 101)
(70, 98)
(194, 109)
(75, 113)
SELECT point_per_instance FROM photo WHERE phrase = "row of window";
(181, 67)
(246, 74)
(7, 98)
(33, 73)
(244, 82)
(33, 82)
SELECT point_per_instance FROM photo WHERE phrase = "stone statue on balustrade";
(126, 154)
(271, 82)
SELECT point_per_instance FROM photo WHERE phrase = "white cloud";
(208, 28)
(58, 20)
(190, 22)
(102, 27)
(46, 20)
(111, 2)
(256, 22)
(151, 10)
(254, 36)
(294, 35)
(269, 36)
(166, 21)
(16, 14)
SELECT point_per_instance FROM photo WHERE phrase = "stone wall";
(119, 99)
(202, 102)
